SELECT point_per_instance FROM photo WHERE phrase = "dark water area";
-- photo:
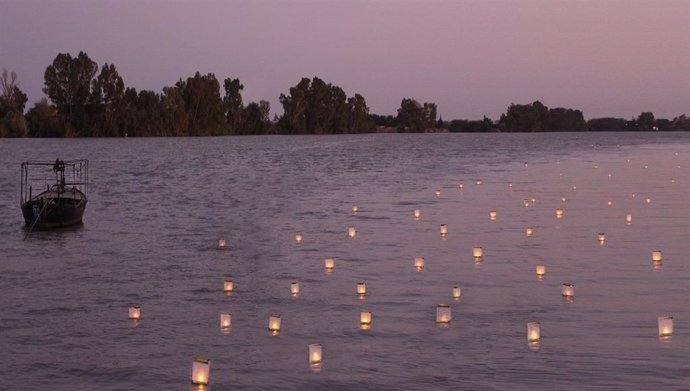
(157, 208)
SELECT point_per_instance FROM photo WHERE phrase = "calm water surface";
(158, 207)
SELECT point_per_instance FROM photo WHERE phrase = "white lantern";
(479, 182)
(365, 317)
(200, 370)
(559, 213)
(628, 219)
(417, 214)
(274, 323)
(351, 232)
(602, 238)
(665, 326)
(492, 215)
(510, 184)
(525, 202)
(298, 238)
(438, 193)
(315, 353)
(534, 200)
(221, 243)
(228, 286)
(225, 320)
(656, 256)
(456, 292)
(609, 202)
(563, 199)
(461, 185)
(533, 332)
(419, 263)
(568, 290)
(477, 252)
(443, 313)
(134, 312)
(648, 200)
(529, 231)
(294, 288)
(444, 230)
(361, 288)
(540, 270)
(354, 209)
(329, 263)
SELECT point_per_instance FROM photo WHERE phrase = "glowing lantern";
(602, 238)
(568, 289)
(456, 292)
(365, 317)
(354, 209)
(221, 243)
(329, 263)
(419, 263)
(628, 219)
(438, 193)
(510, 184)
(533, 332)
(227, 286)
(479, 182)
(200, 371)
(444, 230)
(656, 256)
(534, 200)
(665, 326)
(492, 215)
(563, 199)
(294, 288)
(417, 214)
(225, 320)
(134, 312)
(540, 270)
(351, 232)
(574, 188)
(461, 185)
(525, 202)
(298, 238)
(559, 213)
(477, 252)
(315, 353)
(648, 200)
(529, 231)
(443, 313)
(361, 288)
(274, 323)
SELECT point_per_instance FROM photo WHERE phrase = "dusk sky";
(473, 58)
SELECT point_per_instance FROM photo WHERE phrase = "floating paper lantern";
(602, 237)
(492, 215)
(477, 252)
(534, 200)
(274, 323)
(351, 232)
(228, 286)
(628, 219)
(200, 370)
(540, 270)
(417, 214)
(225, 320)
(443, 313)
(315, 353)
(438, 193)
(529, 231)
(456, 292)
(134, 312)
(294, 288)
(559, 213)
(461, 185)
(479, 182)
(563, 199)
(665, 326)
(656, 256)
(329, 263)
(221, 243)
(444, 230)
(568, 290)
(365, 317)
(525, 202)
(298, 238)
(354, 209)
(510, 184)
(574, 188)
(533, 332)
(609, 202)
(419, 263)
(648, 200)
(361, 288)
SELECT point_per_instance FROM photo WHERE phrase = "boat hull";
(59, 212)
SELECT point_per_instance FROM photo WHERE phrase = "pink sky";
(472, 58)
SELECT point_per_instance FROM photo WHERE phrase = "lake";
(158, 207)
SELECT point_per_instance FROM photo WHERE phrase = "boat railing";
(35, 176)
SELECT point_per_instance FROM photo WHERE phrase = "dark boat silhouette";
(63, 201)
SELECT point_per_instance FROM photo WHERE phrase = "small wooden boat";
(63, 201)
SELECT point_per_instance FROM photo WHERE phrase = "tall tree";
(204, 105)
(43, 121)
(107, 100)
(12, 102)
(233, 103)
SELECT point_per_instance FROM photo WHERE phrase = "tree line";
(83, 100)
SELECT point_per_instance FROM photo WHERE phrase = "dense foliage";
(84, 100)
